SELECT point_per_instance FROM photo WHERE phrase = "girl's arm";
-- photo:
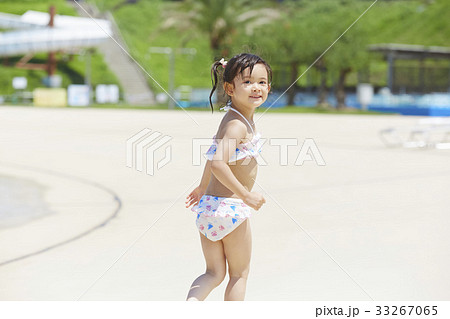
(234, 132)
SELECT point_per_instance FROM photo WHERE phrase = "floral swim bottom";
(219, 216)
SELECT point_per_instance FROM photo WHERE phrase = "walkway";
(376, 219)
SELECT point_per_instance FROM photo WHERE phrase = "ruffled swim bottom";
(219, 216)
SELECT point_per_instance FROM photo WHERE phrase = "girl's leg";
(238, 250)
(215, 270)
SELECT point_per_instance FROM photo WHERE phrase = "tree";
(301, 37)
(320, 20)
(350, 52)
(309, 28)
(221, 21)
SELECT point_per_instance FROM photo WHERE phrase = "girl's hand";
(254, 200)
(194, 197)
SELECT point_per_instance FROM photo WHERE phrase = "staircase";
(131, 77)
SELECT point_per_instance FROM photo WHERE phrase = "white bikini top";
(243, 150)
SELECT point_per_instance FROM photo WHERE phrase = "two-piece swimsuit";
(219, 216)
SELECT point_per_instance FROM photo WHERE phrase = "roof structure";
(418, 79)
(407, 51)
(32, 34)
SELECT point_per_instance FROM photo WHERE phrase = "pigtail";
(214, 80)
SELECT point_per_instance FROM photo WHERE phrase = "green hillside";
(139, 24)
(411, 22)
(407, 22)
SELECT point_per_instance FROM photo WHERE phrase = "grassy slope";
(138, 24)
(72, 72)
(409, 22)
(412, 22)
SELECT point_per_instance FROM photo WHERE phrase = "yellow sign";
(50, 97)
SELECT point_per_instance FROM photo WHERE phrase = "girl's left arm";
(194, 197)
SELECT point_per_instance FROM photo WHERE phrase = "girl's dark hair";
(235, 66)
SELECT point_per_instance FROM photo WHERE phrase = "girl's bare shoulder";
(231, 127)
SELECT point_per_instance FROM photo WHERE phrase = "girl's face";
(250, 90)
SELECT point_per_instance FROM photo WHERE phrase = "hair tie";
(223, 62)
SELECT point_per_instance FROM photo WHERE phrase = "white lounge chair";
(429, 132)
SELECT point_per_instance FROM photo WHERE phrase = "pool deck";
(371, 224)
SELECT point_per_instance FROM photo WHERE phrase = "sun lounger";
(429, 132)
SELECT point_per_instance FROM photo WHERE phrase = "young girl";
(224, 201)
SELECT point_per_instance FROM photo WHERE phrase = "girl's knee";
(217, 275)
(239, 274)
